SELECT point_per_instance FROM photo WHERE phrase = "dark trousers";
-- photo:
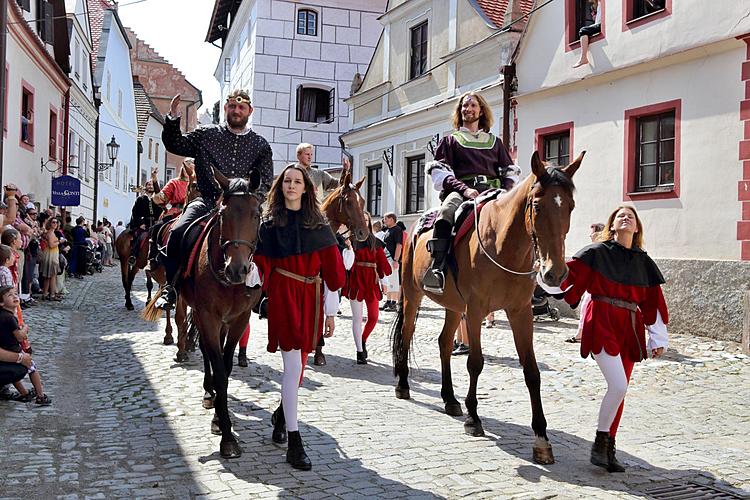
(195, 210)
(29, 264)
(11, 372)
(79, 257)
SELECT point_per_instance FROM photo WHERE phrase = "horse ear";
(346, 178)
(537, 167)
(221, 179)
(572, 168)
(359, 183)
(254, 180)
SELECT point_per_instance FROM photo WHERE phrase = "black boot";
(242, 357)
(364, 349)
(319, 359)
(295, 454)
(599, 450)
(614, 465)
(361, 360)
(434, 279)
(279, 425)
(167, 299)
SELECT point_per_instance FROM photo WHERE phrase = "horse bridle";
(221, 275)
(342, 199)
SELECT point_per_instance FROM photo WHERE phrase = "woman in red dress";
(297, 255)
(626, 299)
(363, 285)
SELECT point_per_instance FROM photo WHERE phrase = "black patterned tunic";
(234, 155)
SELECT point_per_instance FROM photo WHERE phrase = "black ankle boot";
(279, 426)
(167, 299)
(439, 246)
(295, 454)
(364, 349)
(599, 450)
(361, 360)
(242, 357)
(614, 465)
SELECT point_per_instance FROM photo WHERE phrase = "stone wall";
(705, 297)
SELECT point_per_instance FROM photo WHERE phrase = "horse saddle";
(463, 222)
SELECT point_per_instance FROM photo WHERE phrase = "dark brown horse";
(128, 272)
(345, 206)
(217, 293)
(495, 271)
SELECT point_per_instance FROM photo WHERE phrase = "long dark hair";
(311, 215)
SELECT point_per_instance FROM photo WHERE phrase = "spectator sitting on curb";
(11, 337)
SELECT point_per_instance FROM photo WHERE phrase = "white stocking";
(617, 386)
(290, 386)
(357, 323)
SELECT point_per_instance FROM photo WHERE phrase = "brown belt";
(623, 304)
(308, 280)
(366, 264)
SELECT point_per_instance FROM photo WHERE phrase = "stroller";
(93, 256)
(541, 308)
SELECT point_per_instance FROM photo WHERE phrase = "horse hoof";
(544, 456)
(402, 393)
(453, 409)
(473, 428)
(230, 449)
(215, 429)
(129, 307)
(208, 403)
(168, 341)
(182, 357)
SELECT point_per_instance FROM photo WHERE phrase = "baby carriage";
(93, 256)
(541, 308)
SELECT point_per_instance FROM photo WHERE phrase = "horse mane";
(556, 177)
(329, 200)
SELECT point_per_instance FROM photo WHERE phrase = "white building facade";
(117, 118)
(83, 112)
(660, 115)
(297, 60)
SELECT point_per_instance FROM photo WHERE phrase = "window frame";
(628, 6)
(423, 25)
(374, 199)
(541, 134)
(306, 11)
(572, 40)
(5, 98)
(630, 170)
(411, 161)
(27, 145)
(52, 134)
(331, 91)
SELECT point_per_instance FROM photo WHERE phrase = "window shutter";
(24, 4)
(331, 104)
(299, 103)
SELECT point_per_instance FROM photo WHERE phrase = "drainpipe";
(509, 72)
(66, 132)
(3, 83)
(97, 104)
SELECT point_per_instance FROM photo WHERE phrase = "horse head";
(548, 208)
(239, 221)
(345, 206)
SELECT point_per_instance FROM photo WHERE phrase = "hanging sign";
(66, 191)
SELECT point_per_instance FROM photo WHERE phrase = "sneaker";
(461, 349)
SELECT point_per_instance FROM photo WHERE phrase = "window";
(307, 22)
(73, 160)
(81, 159)
(415, 184)
(580, 13)
(315, 105)
(555, 143)
(156, 154)
(24, 4)
(227, 70)
(418, 57)
(27, 116)
(170, 174)
(87, 162)
(125, 185)
(109, 85)
(374, 188)
(652, 151)
(117, 174)
(52, 134)
(44, 23)
(150, 147)
(638, 12)
(119, 103)
(77, 60)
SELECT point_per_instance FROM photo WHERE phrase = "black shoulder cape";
(293, 238)
(626, 266)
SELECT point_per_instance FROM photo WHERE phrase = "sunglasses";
(239, 100)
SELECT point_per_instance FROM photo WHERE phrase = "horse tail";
(397, 336)
(151, 312)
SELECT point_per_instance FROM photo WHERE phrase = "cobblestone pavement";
(126, 420)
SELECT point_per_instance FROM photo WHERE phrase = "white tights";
(617, 385)
(356, 306)
(290, 386)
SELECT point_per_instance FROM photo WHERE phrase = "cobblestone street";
(127, 421)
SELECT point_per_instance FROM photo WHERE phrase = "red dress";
(607, 326)
(291, 303)
(363, 284)
(175, 191)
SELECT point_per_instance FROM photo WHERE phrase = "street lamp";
(112, 149)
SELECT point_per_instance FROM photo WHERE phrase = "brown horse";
(128, 272)
(345, 206)
(495, 271)
(217, 293)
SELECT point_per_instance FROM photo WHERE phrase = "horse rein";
(342, 198)
(534, 239)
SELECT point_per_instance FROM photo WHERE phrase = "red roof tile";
(495, 10)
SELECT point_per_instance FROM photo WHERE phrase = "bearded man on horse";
(467, 162)
(145, 213)
(233, 149)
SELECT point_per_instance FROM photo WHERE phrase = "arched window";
(315, 105)
(307, 22)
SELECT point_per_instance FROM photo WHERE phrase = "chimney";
(513, 12)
